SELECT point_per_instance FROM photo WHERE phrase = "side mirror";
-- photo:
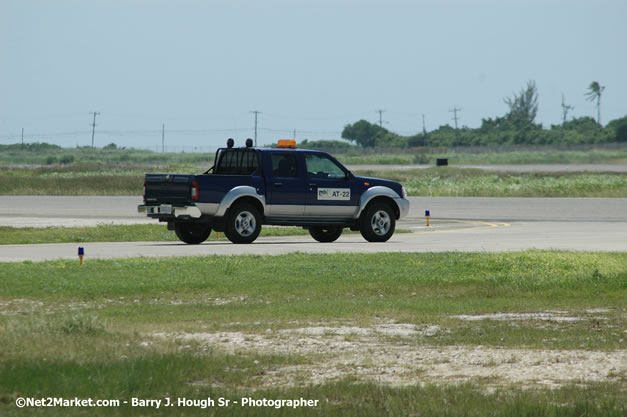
(349, 175)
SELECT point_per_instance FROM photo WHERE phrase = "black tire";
(377, 223)
(243, 223)
(192, 232)
(325, 235)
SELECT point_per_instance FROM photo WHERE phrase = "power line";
(93, 127)
(177, 132)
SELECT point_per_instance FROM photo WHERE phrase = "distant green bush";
(30, 147)
(619, 126)
(325, 144)
(497, 131)
(67, 159)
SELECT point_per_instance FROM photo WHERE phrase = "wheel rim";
(245, 223)
(380, 223)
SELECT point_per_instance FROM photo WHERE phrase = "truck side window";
(319, 166)
(284, 165)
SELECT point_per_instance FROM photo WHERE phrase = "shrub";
(67, 159)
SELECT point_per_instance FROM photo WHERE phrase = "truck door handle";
(312, 185)
(278, 184)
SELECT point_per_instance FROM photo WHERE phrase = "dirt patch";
(24, 306)
(387, 353)
(560, 316)
(388, 329)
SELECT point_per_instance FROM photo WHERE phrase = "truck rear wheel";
(192, 232)
(377, 223)
(325, 235)
(243, 223)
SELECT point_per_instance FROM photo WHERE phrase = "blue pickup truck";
(284, 186)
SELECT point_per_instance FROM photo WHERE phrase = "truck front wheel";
(243, 223)
(192, 232)
(377, 223)
(325, 235)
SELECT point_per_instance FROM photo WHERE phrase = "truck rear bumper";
(168, 210)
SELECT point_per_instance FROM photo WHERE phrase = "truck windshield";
(236, 162)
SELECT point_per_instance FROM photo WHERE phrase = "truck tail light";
(404, 192)
(195, 190)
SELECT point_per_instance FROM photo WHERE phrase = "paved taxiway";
(458, 224)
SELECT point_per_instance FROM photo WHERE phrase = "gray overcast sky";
(200, 67)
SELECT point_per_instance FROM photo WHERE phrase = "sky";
(201, 67)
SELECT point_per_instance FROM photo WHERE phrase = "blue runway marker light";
(81, 253)
(427, 216)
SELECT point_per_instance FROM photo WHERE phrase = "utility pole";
(425, 138)
(22, 137)
(93, 127)
(294, 134)
(255, 112)
(454, 111)
(565, 109)
(163, 137)
(381, 111)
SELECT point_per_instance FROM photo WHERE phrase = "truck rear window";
(236, 162)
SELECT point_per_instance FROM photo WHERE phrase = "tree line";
(516, 127)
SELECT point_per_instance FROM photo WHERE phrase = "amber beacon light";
(286, 143)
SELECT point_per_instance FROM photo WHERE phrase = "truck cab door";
(285, 182)
(330, 191)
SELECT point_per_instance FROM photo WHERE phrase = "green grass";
(429, 156)
(70, 181)
(160, 376)
(458, 182)
(122, 233)
(112, 233)
(332, 287)
(14, 155)
(443, 181)
(76, 331)
(96, 156)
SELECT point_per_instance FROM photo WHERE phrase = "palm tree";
(594, 93)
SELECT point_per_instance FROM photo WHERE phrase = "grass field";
(122, 233)
(113, 233)
(458, 182)
(445, 181)
(14, 155)
(593, 156)
(365, 334)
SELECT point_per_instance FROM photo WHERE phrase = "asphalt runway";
(457, 224)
